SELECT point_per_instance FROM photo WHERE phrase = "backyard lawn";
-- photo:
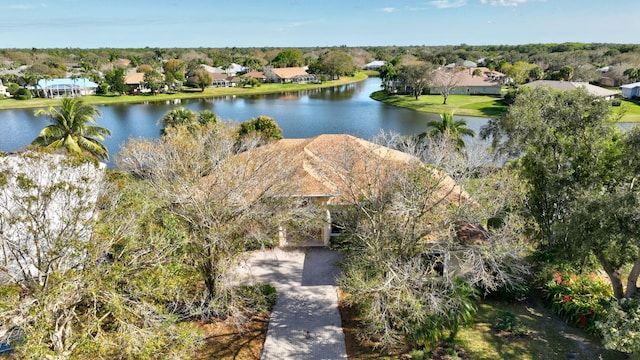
(631, 110)
(469, 105)
(478, 105)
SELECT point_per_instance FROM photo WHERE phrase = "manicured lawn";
(478, 105)
(469, 105)
(631, 110)
(190, 94)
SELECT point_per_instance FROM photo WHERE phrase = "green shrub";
(417, 354)
(22, 94)
(12, 88)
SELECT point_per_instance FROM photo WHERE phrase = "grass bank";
(478, 105)
(187, 94)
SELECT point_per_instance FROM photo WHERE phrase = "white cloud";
(445, 4)
(504, 2)
(388, 9)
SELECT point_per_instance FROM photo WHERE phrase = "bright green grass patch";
(188, 94)
(547, 336)
(631, 109)
(467, 105)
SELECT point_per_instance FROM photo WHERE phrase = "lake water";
(346, 109)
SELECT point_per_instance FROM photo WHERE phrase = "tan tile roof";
(289, 72)
(136, 78)
(218, 76)
(255, 75)
(572, 85)
(343, 167)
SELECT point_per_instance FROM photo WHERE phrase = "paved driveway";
(305, 322)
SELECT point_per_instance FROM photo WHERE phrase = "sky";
(312, 23)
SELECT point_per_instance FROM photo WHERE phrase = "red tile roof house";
(296, 75)
(465, 83)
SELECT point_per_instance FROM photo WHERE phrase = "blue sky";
(310, 23)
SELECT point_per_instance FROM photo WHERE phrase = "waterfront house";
(475, 81)
(296, 75)
(573, 85)
(374, 65)
(55, 88)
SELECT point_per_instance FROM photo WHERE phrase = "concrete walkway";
(305, 322)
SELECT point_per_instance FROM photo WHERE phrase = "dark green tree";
(632, 73)
(178, 117)
(416, 77)
(288, 58)
(388, 75)
(336, 63)
(577, 166)
(115, 79)
(536, 73)
(252, 64)
(566, 73)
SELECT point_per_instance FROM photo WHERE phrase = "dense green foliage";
(115, 79)
(22, 94)
(581, 173)
(262, 126)
(288, 58)
(335, 64)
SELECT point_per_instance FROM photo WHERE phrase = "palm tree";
(448, 128)
(179, 117)
(69, 130)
